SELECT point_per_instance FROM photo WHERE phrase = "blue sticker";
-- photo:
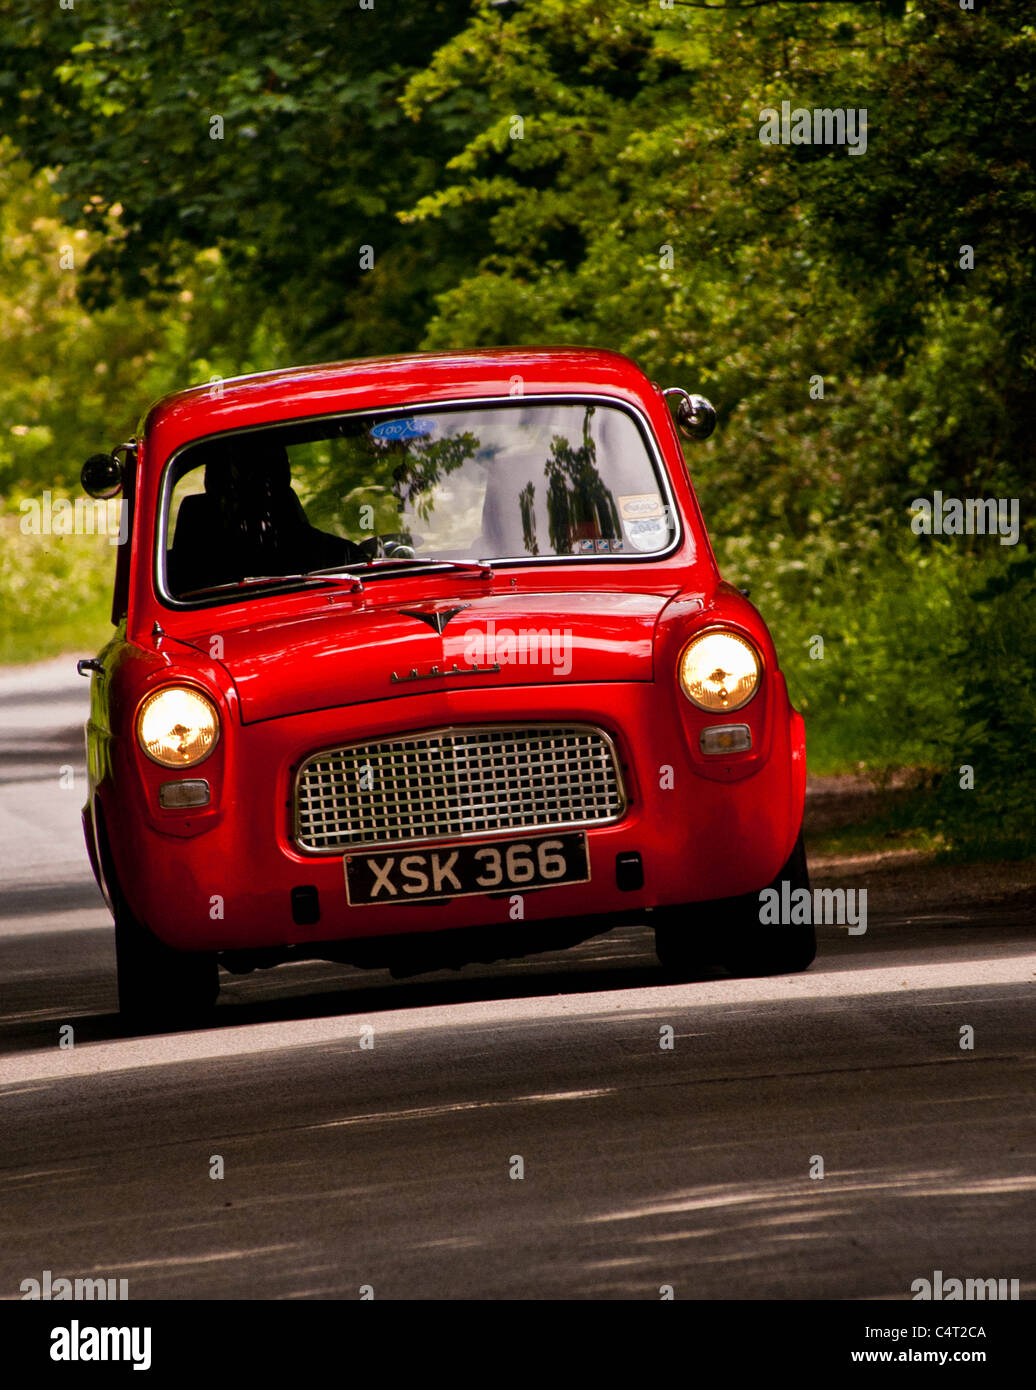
(412, 428)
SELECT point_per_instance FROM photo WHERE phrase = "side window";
(192, 484)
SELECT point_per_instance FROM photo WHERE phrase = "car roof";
(325, 388)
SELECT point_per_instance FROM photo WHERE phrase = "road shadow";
(623, 958)
(79, 985)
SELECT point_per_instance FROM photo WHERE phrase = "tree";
(273, 137)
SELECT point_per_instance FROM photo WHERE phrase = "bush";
(55, 591)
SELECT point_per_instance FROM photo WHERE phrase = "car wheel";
(727, 932)
(160, 987)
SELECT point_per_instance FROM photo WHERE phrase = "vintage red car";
(425, 660)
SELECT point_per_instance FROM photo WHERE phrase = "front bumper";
(224, 881)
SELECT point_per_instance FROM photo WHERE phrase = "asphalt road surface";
(392, 1165)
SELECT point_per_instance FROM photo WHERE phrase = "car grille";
(452, 783)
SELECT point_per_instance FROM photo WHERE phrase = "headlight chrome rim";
(147, 705)
(719, 706)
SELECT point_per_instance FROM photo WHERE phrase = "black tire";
(727, 932)
(159, 987)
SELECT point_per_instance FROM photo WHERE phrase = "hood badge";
(436, 618)
(436, 673)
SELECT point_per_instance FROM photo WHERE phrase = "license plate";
(458, 871)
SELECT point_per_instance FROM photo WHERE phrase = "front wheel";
(160, 987)
(728, 931)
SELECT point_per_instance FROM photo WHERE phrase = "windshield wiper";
(253, 581)
(374, 565)
(341, 574)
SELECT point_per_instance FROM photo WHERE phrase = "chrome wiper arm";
(252, 581)
(333, 571)
(480, 567)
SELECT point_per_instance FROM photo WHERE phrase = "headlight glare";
(719, 671)
(177, 726)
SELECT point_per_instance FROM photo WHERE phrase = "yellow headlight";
(177, 726)
(719, 671)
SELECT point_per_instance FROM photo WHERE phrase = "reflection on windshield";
(530, 479)
(579, 505)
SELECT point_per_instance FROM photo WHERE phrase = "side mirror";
(694, 414)
(101, 476)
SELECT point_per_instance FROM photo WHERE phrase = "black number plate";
(456, 871)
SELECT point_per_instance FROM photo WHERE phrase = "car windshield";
(377, 492)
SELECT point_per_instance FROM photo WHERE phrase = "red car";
(425, 660)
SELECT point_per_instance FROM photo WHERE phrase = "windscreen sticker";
(651, 533)
(638, 506)
(611, 546)
(411, 428)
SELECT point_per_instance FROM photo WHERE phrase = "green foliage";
(271, 134)
(55, 592)
(994, 653)
(74, 381)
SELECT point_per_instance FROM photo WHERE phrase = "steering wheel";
(398, 545)
(389, 547)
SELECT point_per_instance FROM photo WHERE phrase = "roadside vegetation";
(241, 188)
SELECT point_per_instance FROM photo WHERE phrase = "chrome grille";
(452, 783)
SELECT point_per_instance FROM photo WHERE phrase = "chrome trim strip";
(558, 398)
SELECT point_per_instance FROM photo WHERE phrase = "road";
(394, 1166)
